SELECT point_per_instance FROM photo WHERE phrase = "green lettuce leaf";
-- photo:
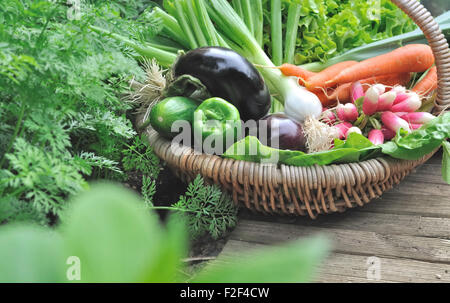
(446, 162)
(420, 142)
(251, 149)
(331, 27)
(356, 148)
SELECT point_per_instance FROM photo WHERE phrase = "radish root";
(145, 95)
(319, 136)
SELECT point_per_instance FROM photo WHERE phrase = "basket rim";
(153, 136)
(359, 182)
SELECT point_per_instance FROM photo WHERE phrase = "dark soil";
(169, 189)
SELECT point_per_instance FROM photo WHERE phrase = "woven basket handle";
(422, 17)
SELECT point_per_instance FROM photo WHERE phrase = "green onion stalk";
(164, 57)
(291, 31)
(171, 27)
(276, 31)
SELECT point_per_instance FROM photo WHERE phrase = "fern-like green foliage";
(148, 190)
(140, 157)
(62, 120)
(207, 209)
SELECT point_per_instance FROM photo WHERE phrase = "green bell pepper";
(217, 125)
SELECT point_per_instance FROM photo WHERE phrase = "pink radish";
(386, 100)
(376, 136)
(343, 128)
(353, 129)
(410, 105)
(347, 112)
(415, 126)
(401, 93)
(394, 123)
(401, 97)
(328, 117)
(401, 114)
(387, 133)
(357, 91)
(398, 89)
(380, 88)
(416, 118)
(370, 103)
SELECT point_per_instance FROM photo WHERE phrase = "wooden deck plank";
(348, 241)
(422, 188)
(410, 204)
(411, 225)
(427, 173)
(339, 278)
(437, 158)
(391, 269)
(340, 267)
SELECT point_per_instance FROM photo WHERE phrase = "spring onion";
(258, 21)
(164, 57)
(170, 28)
(291, 31)
(276, 31)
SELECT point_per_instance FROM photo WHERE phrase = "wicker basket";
(310, 190)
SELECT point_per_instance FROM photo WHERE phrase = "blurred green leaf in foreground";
(107, 235)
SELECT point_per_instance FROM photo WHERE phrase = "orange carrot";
(343, 92)
(388, 80)
(295, 71)
(291, 70)
(324, 99)
(319, 79)
(409, 58)
(428, 84)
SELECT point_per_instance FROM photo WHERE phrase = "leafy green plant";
(207, 209)
(115, 239)
(445, 162)
(148, 190)
(62, 119)
(328, 28)
(140, 157)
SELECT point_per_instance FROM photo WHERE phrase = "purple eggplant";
(228, 75)
(279, 131)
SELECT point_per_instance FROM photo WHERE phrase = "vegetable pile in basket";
(370, 101)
